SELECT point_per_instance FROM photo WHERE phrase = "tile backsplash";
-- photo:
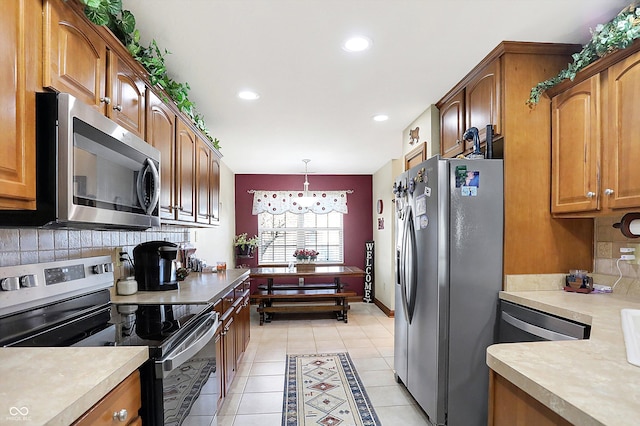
(608, 242)
(34, 245)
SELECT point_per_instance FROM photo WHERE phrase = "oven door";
(187, 375)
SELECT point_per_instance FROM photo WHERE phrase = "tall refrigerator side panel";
(401, 323)
(476, 245)
(427, 330)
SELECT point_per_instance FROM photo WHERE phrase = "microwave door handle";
(155, 196)
(204, 333)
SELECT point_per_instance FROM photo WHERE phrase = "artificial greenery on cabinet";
(619, 33)
(122, 24)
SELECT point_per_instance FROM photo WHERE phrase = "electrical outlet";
(117, 256)
(628, 257)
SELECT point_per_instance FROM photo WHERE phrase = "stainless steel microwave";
(90, 172)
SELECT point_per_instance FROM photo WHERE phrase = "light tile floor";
(256, 396)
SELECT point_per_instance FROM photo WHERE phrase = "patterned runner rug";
(325, 390)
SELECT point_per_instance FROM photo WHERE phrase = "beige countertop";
(588, 382)
(55, 386)
(198, 287)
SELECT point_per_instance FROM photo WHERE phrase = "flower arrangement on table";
(305, 254)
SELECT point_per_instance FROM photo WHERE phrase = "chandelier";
(306, 200)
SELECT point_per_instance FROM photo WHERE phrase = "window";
(281, 234)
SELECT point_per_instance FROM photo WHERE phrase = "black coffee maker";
(155, 265)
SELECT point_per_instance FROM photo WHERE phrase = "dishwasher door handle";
(534, 329)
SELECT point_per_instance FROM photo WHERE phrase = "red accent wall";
(358, 223)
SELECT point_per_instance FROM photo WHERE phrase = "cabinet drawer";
(125, 396)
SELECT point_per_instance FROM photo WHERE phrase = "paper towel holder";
(629, 225)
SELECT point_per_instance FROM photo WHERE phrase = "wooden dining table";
(306, 297)
(334, 272)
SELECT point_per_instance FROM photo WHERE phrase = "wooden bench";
(306, 286)
(302, 300)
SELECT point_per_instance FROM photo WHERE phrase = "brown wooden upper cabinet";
(575, 142)
(20, 38)
(185, 172)
(474, 104)
(77, 60)
(452, 124)
(482, 101)
(161, 133)
(594, 138)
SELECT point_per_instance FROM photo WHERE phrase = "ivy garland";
(619, 33)
(122, 23)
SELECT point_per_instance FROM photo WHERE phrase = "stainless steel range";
(67, 303)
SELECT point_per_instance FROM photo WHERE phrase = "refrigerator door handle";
(411, 276)
(402, 274)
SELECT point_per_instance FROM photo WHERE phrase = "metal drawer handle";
(534, 329)
(118, 108)
(121, 415)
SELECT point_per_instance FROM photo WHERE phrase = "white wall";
(216, 244)
(429, 124)
(384, 238)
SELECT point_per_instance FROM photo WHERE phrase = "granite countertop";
(55, 386)
(198, 287)
(588, 382)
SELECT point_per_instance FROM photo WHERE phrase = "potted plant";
(245, 245)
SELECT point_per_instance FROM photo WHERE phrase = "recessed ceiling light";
(248, 95)
(357, 44)
(380, 117)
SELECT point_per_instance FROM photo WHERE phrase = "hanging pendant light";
(306, 200)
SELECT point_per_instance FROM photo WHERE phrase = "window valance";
(278, 202)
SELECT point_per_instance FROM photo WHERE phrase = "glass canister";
(126, 286)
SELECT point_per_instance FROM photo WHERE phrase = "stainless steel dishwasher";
(521, 324)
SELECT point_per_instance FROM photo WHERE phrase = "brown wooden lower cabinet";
(511, 406)
(234, 335)
(118, 407)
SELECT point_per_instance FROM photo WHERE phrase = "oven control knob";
(28, 281)
(10, 284)
(108, 267)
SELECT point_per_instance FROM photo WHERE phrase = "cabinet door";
(452, 126)
(126, 398)
(203, 159)
(482, 101)
(229, 349)
(575, 144)
(161, 132)
(214, 189)
(622, 185)
(185, 172)
(219, 368)
(127, 96)
(20, 35)
(74, 55)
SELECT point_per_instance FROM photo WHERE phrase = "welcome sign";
(369, 270)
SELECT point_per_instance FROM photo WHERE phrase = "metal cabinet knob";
(105, 100)
(121, 415)
(591, 194)
(118, 108)
(457, 141)
(608, 191)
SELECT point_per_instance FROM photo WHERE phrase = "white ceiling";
(316, 99)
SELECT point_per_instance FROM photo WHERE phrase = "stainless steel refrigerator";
(449, 232)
